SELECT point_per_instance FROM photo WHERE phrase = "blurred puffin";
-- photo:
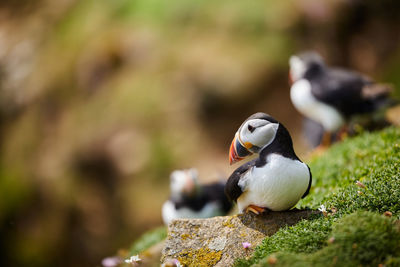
(189, 199)
(277, 179)
(331, 96)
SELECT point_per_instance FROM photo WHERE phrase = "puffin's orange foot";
(255, 209)
(319, 150)
(323, 146)
(343, 133)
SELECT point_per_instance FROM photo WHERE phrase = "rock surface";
(218, 241)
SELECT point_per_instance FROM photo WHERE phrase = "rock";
(218, 241)
(151, 256)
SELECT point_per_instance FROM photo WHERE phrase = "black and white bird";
(189, 199)
(331, 96)
(277, 179)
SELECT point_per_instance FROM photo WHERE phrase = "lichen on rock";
(218, 241)
(203, 256)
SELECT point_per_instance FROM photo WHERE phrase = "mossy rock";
(219, 241)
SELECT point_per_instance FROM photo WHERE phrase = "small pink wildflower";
(246, 245)
(111, 261)
(171, 263)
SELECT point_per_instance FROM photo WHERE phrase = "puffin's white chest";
(169, 212)
(278, 185)
(309, 106)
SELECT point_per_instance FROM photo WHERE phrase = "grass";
(362, 235)
(147, 240)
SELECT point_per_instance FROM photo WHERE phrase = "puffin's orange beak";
(290, 78)
(189, 186)
(237, 151)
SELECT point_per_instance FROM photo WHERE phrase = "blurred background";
(101, 100)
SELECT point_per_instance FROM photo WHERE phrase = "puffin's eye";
(251, 128)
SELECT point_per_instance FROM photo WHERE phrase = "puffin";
(190, 199)
(275, 180)
(332, 96)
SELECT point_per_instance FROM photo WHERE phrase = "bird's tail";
(378, 96)
(393, 115)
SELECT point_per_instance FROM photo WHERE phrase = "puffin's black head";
(183, 183)
(255, 133)
(304, 65)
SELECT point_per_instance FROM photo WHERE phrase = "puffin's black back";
(340, 89)
(216, 192)
(213, 192)
(344, 90)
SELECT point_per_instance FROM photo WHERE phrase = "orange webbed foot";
(255, 209)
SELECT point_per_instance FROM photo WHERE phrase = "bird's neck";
(281, 145)
(186, 196)
(314, 71)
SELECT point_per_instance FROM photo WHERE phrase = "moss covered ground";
(358, 182)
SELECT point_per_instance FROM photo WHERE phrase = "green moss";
(373, 159)
(306, 236)
(360, 239)
(148, 239)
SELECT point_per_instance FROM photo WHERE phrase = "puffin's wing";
(309, 184)
(215, 192)
(232, 188)
(341, 89)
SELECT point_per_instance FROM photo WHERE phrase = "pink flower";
(246, 245)
(111, 261)
(171, 263)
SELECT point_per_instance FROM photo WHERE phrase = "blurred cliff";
(101, 100)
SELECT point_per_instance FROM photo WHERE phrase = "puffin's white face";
(258, 133)
(252, 136)
(183, 182)
(297, 68)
